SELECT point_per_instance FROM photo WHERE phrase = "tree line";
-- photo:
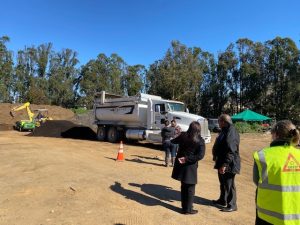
(264, 77)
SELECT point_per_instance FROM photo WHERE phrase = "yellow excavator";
(34, 120)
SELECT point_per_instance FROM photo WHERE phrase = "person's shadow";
(137, 160)
(141, 198)
(159, 194)
(167, 193)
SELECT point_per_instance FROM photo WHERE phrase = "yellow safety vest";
(278, 194)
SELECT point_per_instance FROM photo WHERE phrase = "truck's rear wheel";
(112, 135)
(101, 133)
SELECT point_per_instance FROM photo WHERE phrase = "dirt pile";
(64, 124)
(65, 129)
(80, 132)
(4, 127)
(7, 122)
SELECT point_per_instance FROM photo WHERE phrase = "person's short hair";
(225, 118)
(167, 123)
(173, 121)
(287, 131)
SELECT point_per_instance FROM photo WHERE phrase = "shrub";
(244, 127)
(81, 110)
(256, 127)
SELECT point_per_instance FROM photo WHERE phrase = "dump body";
(140, 117)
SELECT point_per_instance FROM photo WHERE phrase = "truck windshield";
(176, 107)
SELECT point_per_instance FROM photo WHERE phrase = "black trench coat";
(226, 150)
(193, 151)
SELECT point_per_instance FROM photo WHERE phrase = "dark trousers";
(227, 190)
(187, 196)
(169, 148)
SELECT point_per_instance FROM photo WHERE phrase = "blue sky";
(141, 31)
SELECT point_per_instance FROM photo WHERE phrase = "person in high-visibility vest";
(277, 175)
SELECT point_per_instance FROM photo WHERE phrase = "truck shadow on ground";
(153, 146)
(156, 195)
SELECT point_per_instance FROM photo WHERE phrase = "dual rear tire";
(111, 134)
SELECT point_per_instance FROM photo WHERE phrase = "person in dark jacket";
(167, 133)
(191, 150)
(227, 162)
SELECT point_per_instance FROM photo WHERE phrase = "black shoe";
(193, 211)
(218, 203)
(230, 209)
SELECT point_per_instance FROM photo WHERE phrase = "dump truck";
(140, 117)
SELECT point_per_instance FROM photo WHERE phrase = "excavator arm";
(24, 106)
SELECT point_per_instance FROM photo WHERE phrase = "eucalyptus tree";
(282, 65)
(178, 75)
(133, 79)
(62, 74)
(208, 87)
(226, 85)
(30, 76)
(258, 83)
(6, 71)
(43, 54)
(39, 84)
(252, 78)
(21, 77)
(244, 71)
(101, 74)
(116, 67)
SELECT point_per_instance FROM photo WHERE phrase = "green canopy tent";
(249, 115)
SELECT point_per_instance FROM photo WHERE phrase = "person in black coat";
(227, 162)
(191, 150)
(167, 133)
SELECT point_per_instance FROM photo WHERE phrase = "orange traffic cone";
(120, 156)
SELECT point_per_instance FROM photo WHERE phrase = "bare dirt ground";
(59, 181)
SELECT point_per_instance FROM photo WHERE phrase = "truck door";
(160, 115)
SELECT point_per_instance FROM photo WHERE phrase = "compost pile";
(65, 123)
(7, 122)
(64, 129)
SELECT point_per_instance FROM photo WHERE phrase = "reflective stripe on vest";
(266, 190)
(279, 215)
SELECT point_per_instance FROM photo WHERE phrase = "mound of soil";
(7, 122)
(65, 129)
(4, 127)
(81, 132)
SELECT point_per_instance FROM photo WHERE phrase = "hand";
(182, 160)
(222, 170)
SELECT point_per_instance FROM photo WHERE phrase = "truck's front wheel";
(112, 135)
(101, 133)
